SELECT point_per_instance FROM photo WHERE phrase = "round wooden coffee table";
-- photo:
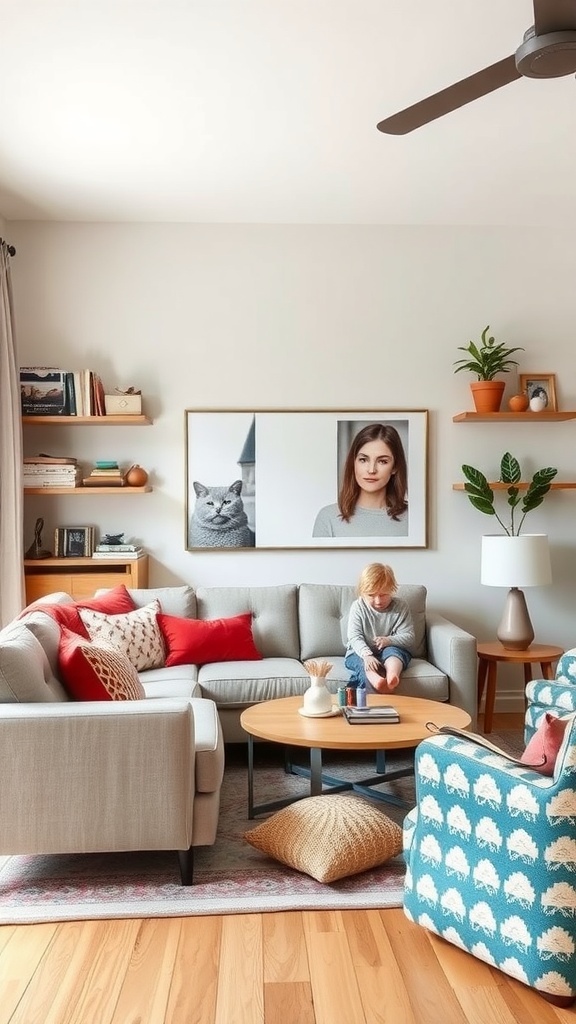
(279, 721)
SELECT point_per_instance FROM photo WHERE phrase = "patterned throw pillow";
(328, 837)
(136, 634)
(96, 671)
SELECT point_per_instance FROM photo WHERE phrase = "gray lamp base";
(515, 631)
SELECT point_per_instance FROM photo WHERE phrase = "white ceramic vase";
(317, 699)
(537, 404)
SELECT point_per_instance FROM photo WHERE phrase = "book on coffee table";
(371, 716)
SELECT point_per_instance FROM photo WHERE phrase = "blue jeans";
(355, 664)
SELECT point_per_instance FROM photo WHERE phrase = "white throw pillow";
(136, 634)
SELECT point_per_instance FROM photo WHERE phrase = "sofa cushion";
(273, 610)
(135, 634)
(241, 683)
(96, 671)
(199, 641)
(26, 675)
(47, 632)
(112, 602)
(323, 611)
(173, 600)
(328, 837)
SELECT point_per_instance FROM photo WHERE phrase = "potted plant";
(481, 494)
(487, 360)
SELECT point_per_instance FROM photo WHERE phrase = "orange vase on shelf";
(519, 403)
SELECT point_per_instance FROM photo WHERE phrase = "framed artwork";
(541, 385)
(326, 478)
(74, 542)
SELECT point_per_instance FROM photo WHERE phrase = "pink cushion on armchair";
(542, 749)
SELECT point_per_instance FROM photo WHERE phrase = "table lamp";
(515, 562)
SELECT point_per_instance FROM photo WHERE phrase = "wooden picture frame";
(543, 384)
(278, 475)
(74, 541)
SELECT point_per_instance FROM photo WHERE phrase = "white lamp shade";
(515, 561)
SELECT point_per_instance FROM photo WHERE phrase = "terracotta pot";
(487, 394)
(518, 403)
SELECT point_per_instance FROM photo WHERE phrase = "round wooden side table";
(489, 655)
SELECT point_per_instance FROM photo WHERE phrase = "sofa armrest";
(96, 776)
(453, 651)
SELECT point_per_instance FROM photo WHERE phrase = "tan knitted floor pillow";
(328, 837)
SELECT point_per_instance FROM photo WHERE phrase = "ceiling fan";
(548, 50)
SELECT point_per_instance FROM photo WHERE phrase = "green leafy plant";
(482, 496)
(487, 359)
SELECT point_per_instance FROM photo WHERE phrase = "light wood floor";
(340, 967)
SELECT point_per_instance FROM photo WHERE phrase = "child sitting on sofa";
(380, 631)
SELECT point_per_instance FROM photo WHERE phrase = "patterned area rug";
(229, 877)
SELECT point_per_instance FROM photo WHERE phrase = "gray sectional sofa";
(146, 774)
(292, 624)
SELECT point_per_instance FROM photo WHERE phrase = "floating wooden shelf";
(497, 485)
(513, 417)
(88, 421)
(88, 490)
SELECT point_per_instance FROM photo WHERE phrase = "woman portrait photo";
(373, 492)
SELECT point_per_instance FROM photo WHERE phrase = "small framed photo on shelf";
(74, 541)
(540, 385)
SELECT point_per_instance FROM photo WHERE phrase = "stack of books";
(377, 715)
(106, 473)
(51, 471)
(118, 551)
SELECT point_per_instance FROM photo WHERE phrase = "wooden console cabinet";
(82, 577)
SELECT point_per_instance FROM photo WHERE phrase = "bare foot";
(392, 682)
(377, 681)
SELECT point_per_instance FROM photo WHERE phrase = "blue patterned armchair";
(491, 858)
(558, 695)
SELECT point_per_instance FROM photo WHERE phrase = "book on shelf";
(54, 471)
(104, 481)
(118, 555)
(49, 460)
(118, 548)
(42, 391)
(377, 715)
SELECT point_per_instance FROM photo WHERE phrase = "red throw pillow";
(542, 749)
(116, 601)
(198, 641)
(92, 671)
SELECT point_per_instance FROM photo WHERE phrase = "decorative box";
(123, 405)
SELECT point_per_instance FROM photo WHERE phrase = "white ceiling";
(266, 111)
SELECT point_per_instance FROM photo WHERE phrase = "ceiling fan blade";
(457, 95)
(554, 16)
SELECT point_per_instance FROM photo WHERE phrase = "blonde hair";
(377, 579)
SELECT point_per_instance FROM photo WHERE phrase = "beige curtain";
(11, 527)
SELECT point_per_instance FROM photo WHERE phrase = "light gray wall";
(294, 317)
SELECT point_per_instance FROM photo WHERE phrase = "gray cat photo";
(219, 519)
